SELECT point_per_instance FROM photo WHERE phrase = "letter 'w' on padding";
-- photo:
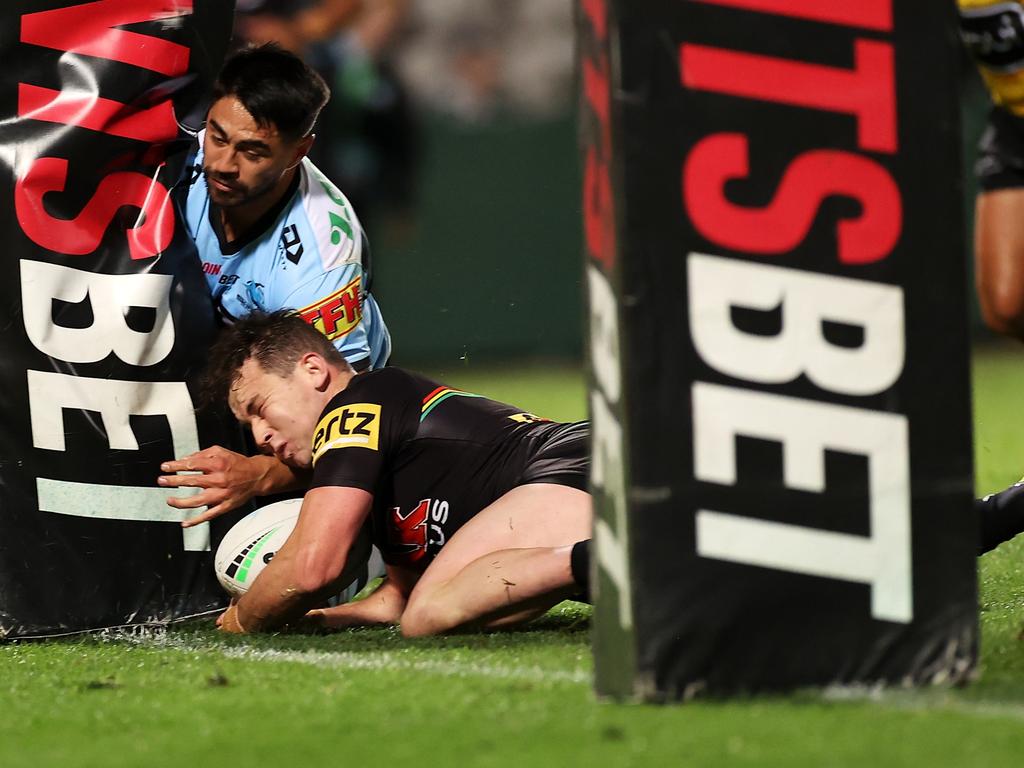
(805, 430)
(115, 401)
(807, 301)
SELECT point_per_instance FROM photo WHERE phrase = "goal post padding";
(779, 388)
(106, 313)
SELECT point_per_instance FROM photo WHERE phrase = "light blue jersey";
(308, 254)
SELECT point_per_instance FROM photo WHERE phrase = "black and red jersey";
(434, 456)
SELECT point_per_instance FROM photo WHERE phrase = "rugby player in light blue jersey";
(273, 233)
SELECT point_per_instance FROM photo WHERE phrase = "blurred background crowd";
(451, 129)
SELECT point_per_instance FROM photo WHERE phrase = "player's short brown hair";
(276, 341)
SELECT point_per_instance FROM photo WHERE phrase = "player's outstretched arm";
(382, 606)
(308, 567)
(227, 479)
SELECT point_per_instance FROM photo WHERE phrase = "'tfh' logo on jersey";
(410, 533)
(356, 425)
(338, 314)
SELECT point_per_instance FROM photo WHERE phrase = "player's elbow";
(312, 582)
(316, 573)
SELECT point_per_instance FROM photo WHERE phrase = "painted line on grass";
(389, 662)
(924, 700)
(375, 660)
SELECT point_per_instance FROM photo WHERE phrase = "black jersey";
(434, 456)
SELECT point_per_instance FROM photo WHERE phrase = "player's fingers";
(193, 463)
(206, 498)
(207, 515)
(187, 481)
(185, 502)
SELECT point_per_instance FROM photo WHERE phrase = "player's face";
(282, 411)
(244, 161)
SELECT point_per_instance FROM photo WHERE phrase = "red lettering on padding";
(90, 29)
(597, 15)
(867, 91)
(153, 125)
(868, 14)
(82, 234)
(780, 226)
(598, 204)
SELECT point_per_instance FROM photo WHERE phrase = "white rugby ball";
(254, 540)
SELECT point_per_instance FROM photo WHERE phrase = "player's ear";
(302, 149)
(315, 368)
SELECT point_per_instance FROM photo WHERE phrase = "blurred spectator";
(479, 59)
(294, 24)
(367, 137)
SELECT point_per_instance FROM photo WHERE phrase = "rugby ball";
(254, 540)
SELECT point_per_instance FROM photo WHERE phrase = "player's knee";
(1002, 307)
(425, 617)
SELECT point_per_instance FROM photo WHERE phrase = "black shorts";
(561, 456)
(1000, 162)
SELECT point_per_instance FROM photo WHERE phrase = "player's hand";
(228, 621)
(228, 480)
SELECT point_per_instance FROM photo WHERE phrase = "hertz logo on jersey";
(356, 425)
(337, 314)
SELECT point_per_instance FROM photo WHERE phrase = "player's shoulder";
(333, 227)
(395, 385)
(372, 412)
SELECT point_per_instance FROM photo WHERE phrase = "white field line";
(931, 700)
(925, 700)
(384, 661)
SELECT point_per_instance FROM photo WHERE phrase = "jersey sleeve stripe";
(438, 396)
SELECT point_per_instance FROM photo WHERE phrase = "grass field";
(189, 697)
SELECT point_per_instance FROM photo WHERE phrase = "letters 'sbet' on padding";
(105, 316)
(774, 242)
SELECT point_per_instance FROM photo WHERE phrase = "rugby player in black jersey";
(480, 510)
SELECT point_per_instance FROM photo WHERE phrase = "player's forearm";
(277, 477)
(303, 573)
(277, 597)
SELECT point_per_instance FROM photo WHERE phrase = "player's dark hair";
(276, 341)
(275, 86)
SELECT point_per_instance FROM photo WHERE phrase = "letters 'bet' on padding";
(774, 239)
(105, 317)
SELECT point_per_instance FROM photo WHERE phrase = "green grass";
(190, 697)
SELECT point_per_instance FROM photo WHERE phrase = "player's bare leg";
(510, 562)
(999, 259)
